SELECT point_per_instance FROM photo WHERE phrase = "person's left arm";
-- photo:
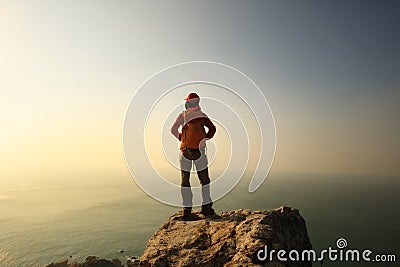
(174, 129)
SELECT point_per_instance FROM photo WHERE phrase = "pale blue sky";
(330, 70)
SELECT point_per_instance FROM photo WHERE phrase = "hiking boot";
(186, 213)
(207, 210)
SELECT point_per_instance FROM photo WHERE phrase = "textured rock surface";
(231, 239)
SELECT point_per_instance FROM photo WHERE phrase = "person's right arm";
(211, 128)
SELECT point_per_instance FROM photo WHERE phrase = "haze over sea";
(43, 222)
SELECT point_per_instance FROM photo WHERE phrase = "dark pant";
(199, 158)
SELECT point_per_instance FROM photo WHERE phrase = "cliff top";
(230, 239)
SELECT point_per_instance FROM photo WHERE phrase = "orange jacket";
(192, 135)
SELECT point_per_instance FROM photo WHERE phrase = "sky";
(69, 69)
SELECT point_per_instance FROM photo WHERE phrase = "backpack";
(193, 131)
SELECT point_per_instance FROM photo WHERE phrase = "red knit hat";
(192, 96)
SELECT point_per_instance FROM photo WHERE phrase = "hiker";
(193, 138)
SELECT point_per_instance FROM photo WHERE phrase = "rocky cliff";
(233, 238)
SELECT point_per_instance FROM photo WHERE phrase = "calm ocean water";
(42, 223)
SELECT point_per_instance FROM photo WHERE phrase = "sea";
(48, 220)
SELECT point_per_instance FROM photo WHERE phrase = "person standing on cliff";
(193, 138)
